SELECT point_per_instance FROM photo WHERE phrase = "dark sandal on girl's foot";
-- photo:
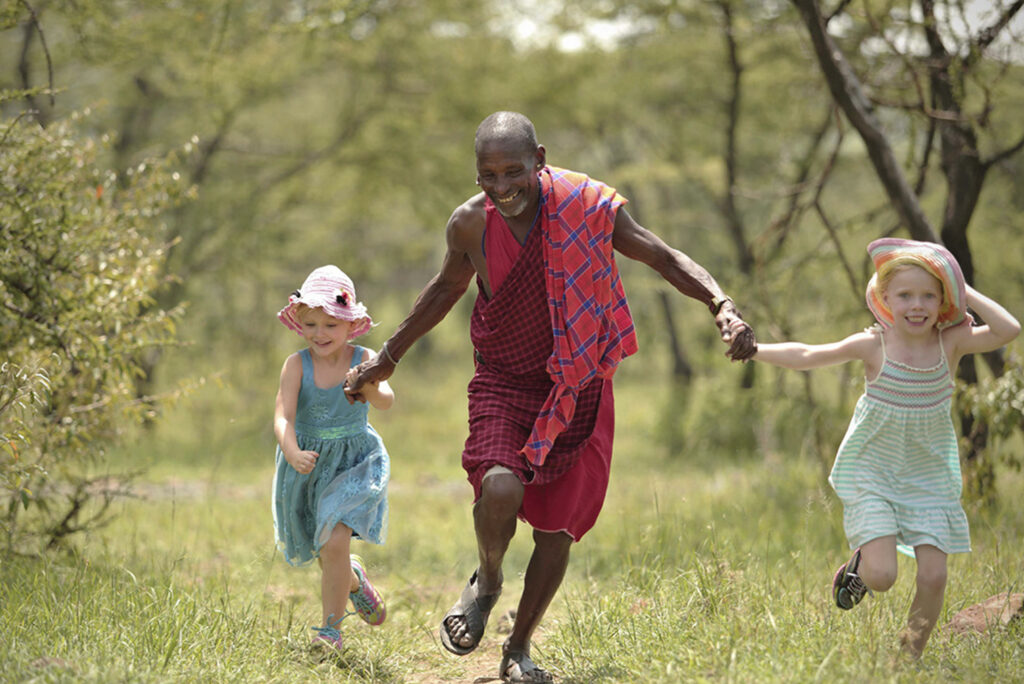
(475, 609)
(516, 666)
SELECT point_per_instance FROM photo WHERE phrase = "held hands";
(735, 332)
(302, 461)
(373, 371)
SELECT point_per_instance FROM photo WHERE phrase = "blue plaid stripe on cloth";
(590, 320)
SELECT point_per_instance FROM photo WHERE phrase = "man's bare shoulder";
(468, 219)
(471, 211)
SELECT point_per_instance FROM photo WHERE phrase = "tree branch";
(23, 58)
(728, 203)
(849, 95)
(988, 35)
(1005, 154)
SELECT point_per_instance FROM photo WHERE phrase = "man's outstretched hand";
(376, 370)
(735, 332)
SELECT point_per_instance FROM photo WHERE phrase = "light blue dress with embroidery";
(349, 483)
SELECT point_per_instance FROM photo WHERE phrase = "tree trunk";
(849, 95)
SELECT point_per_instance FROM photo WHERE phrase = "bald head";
(507, 127)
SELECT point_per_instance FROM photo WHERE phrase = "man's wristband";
(387, 353)
(717, 303)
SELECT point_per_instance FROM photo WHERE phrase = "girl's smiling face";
(325, 334)
(914, 296)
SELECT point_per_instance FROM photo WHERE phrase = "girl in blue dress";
(897, 470)
(331, 479)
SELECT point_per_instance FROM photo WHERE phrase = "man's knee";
(501, 491)
(552, 540)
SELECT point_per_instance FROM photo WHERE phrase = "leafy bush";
(997, 406)
(81, 250)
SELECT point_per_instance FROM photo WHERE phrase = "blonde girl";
(332, 473)
(897, 471)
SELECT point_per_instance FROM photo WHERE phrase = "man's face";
(507, 171)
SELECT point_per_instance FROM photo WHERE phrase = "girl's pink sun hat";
(932, 257)
(328, 288)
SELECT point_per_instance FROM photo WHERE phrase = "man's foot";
(368, 602)
(847, 587)
(516, 666)
(463, 625)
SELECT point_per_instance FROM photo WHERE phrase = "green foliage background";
(340, 131)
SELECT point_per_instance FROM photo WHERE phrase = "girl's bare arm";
(799, 356)
(1000, 327)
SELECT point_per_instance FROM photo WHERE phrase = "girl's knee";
(339, 541)
(931, 570)
(880, 579)
(878, 575)
(931, 577)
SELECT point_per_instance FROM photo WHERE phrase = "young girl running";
(897, 471)
(332, 467)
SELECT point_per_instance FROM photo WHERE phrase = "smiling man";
(549, 327)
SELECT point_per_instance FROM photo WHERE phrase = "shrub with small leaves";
(81, 249)
(997, 406)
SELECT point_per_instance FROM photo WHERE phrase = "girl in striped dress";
(897, 471)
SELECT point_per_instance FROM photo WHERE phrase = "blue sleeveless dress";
(897, 471)
(349, 483)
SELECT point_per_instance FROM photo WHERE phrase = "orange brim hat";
(328, 288)
(933, 258)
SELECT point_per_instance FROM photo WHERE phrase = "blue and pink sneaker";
(367, 601)
(328, 638)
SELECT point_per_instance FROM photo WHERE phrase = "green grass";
(695, 572)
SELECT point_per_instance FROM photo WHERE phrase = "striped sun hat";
(933, 258)
(328, 288)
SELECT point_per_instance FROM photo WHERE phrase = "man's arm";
(432, 304)
(686, 275)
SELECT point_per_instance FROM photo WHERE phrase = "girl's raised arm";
(999, 329)
(861, 346)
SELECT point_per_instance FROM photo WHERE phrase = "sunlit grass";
(694, 572)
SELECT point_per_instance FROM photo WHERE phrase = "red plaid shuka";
(590, 319)
(512, 333)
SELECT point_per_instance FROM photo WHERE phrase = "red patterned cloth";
(511, 334)
(590, 319)
(513, 339)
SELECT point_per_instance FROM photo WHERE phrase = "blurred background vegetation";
(170, 171)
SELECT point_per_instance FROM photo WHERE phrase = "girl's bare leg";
(878, 563)
(927, 604)
(337, 578)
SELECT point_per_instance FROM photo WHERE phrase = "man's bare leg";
(544, 576)
(494, 517)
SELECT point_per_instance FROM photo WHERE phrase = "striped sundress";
(897, 471)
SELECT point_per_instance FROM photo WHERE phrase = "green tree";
(945, 73)
(81, 249)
